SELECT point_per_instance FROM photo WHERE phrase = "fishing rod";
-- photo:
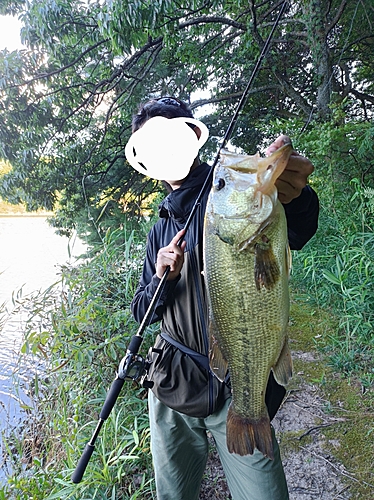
(133, 365)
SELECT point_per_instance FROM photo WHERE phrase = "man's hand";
(173, 256)
(295, 176)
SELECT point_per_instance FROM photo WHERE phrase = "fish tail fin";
(245, 434)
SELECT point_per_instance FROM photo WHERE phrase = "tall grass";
(336, 269)
(81, 335)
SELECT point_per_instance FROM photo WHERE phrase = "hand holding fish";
(295, 176)
(171, 255)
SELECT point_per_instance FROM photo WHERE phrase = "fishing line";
(132, 364)
(148, 316)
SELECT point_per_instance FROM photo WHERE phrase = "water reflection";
(30, 254)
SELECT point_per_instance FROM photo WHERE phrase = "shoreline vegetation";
(80, 330)
(29, 214)
(67, 104)
(8, 210)
(81, 334)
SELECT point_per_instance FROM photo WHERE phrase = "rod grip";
(82, 464)
(111, 398)
(135, 342)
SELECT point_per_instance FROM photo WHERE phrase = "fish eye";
(219, 184)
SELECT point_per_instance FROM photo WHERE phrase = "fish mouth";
(248, 168)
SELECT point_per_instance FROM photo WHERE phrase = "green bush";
(336, 268)
(81, 328)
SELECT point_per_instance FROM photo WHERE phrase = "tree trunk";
(317, 28)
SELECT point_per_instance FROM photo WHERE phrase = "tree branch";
(212, 19)
(337, 17)
(234, 95)
(42, 76)
(362, 96)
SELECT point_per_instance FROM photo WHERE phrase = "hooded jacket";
(181, 378)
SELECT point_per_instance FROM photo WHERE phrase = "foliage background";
(66, 103)
(66, 100)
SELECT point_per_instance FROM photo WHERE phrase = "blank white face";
(165, 149)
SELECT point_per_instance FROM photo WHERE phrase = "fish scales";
(246, 267)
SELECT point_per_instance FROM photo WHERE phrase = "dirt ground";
(312, 472)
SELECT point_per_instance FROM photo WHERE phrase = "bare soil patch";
(312, 471)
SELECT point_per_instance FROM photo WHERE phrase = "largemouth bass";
(246, 268)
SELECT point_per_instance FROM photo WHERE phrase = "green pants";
(180, 451)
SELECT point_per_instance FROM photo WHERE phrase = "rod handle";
(111, 398)
(82, 464)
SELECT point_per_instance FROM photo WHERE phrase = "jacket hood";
(178, 204)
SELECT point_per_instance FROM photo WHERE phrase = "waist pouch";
(182, 379)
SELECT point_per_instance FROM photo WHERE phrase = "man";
(186, 400)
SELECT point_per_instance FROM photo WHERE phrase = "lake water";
(30, 255)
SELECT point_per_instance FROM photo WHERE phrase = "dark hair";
(168, 107)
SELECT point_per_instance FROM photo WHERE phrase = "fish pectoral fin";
(282, 370)
(267, 271)
(217, 361)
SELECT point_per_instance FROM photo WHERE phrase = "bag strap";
(200, 359)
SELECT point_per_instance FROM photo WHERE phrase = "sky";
(10, 33)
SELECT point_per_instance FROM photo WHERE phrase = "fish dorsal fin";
(283, 368)
(217, 361)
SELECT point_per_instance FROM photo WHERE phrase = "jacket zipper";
(197, 281)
